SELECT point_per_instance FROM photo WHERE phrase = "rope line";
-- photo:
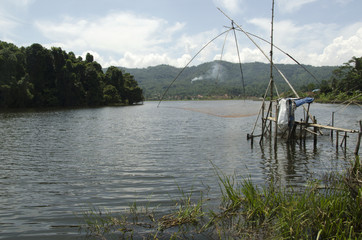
(207, 44)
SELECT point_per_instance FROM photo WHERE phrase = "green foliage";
(344, 84)
(38, 77)
(111, 95)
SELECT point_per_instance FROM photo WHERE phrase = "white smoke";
(216, 72)
(197, 79)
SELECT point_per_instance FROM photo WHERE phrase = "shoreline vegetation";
(37, 77)
(330, 208)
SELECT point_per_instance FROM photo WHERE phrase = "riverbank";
(341, 98)
(328, 208)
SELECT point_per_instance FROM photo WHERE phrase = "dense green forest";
(223, 79)
(345, 83)
(38, 77)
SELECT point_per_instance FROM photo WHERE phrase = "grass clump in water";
(247, 211)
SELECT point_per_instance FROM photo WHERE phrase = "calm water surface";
(54, 164)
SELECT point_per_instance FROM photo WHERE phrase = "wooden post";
(315, 130)
(300, 131)
(306, 121)
(332, 125)
(262, 123)
(276, 123)
(337, 139)
(270, 113)
(344, 140)
(358, 138)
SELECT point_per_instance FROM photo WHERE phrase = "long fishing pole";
(190, 62)
(261, 50)
(281, 50)
(237, 49)
(222, 53)
(271, 62)
(251, 34)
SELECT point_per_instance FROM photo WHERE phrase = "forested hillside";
(38, 77)
(221, 78)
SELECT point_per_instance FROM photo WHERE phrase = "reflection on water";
(55, 163)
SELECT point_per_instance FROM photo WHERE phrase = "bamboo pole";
(261, 50)
(315, 130)
(358, 138)
(271, 68)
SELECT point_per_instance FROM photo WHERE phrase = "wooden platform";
(320, 126)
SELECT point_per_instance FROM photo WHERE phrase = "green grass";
(246, 211)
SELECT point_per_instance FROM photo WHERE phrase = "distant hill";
(219, 78)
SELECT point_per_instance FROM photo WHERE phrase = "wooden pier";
(303, 127)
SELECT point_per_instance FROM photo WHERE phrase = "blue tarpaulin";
(302, 101)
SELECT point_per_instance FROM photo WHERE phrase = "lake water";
(54, 164)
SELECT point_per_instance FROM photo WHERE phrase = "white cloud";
(316, 43)
(324, 44)
(232, 6)
(116, 33)
(132, 60)
(130, 40)
(341, 49)
(290, 6)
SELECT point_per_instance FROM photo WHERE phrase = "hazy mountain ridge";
(219, 78)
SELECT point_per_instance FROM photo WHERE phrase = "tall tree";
(348, 78)
(39, 66)
(93, 80)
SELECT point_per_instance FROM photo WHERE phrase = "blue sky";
(142, 33)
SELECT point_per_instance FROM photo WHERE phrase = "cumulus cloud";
(117, 33)
(324, 44)
(315, 43)
(131, 40)
(341, 49)
(126, 39)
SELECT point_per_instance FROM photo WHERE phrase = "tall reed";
(247, 211)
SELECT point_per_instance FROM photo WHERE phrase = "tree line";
(39, 77)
